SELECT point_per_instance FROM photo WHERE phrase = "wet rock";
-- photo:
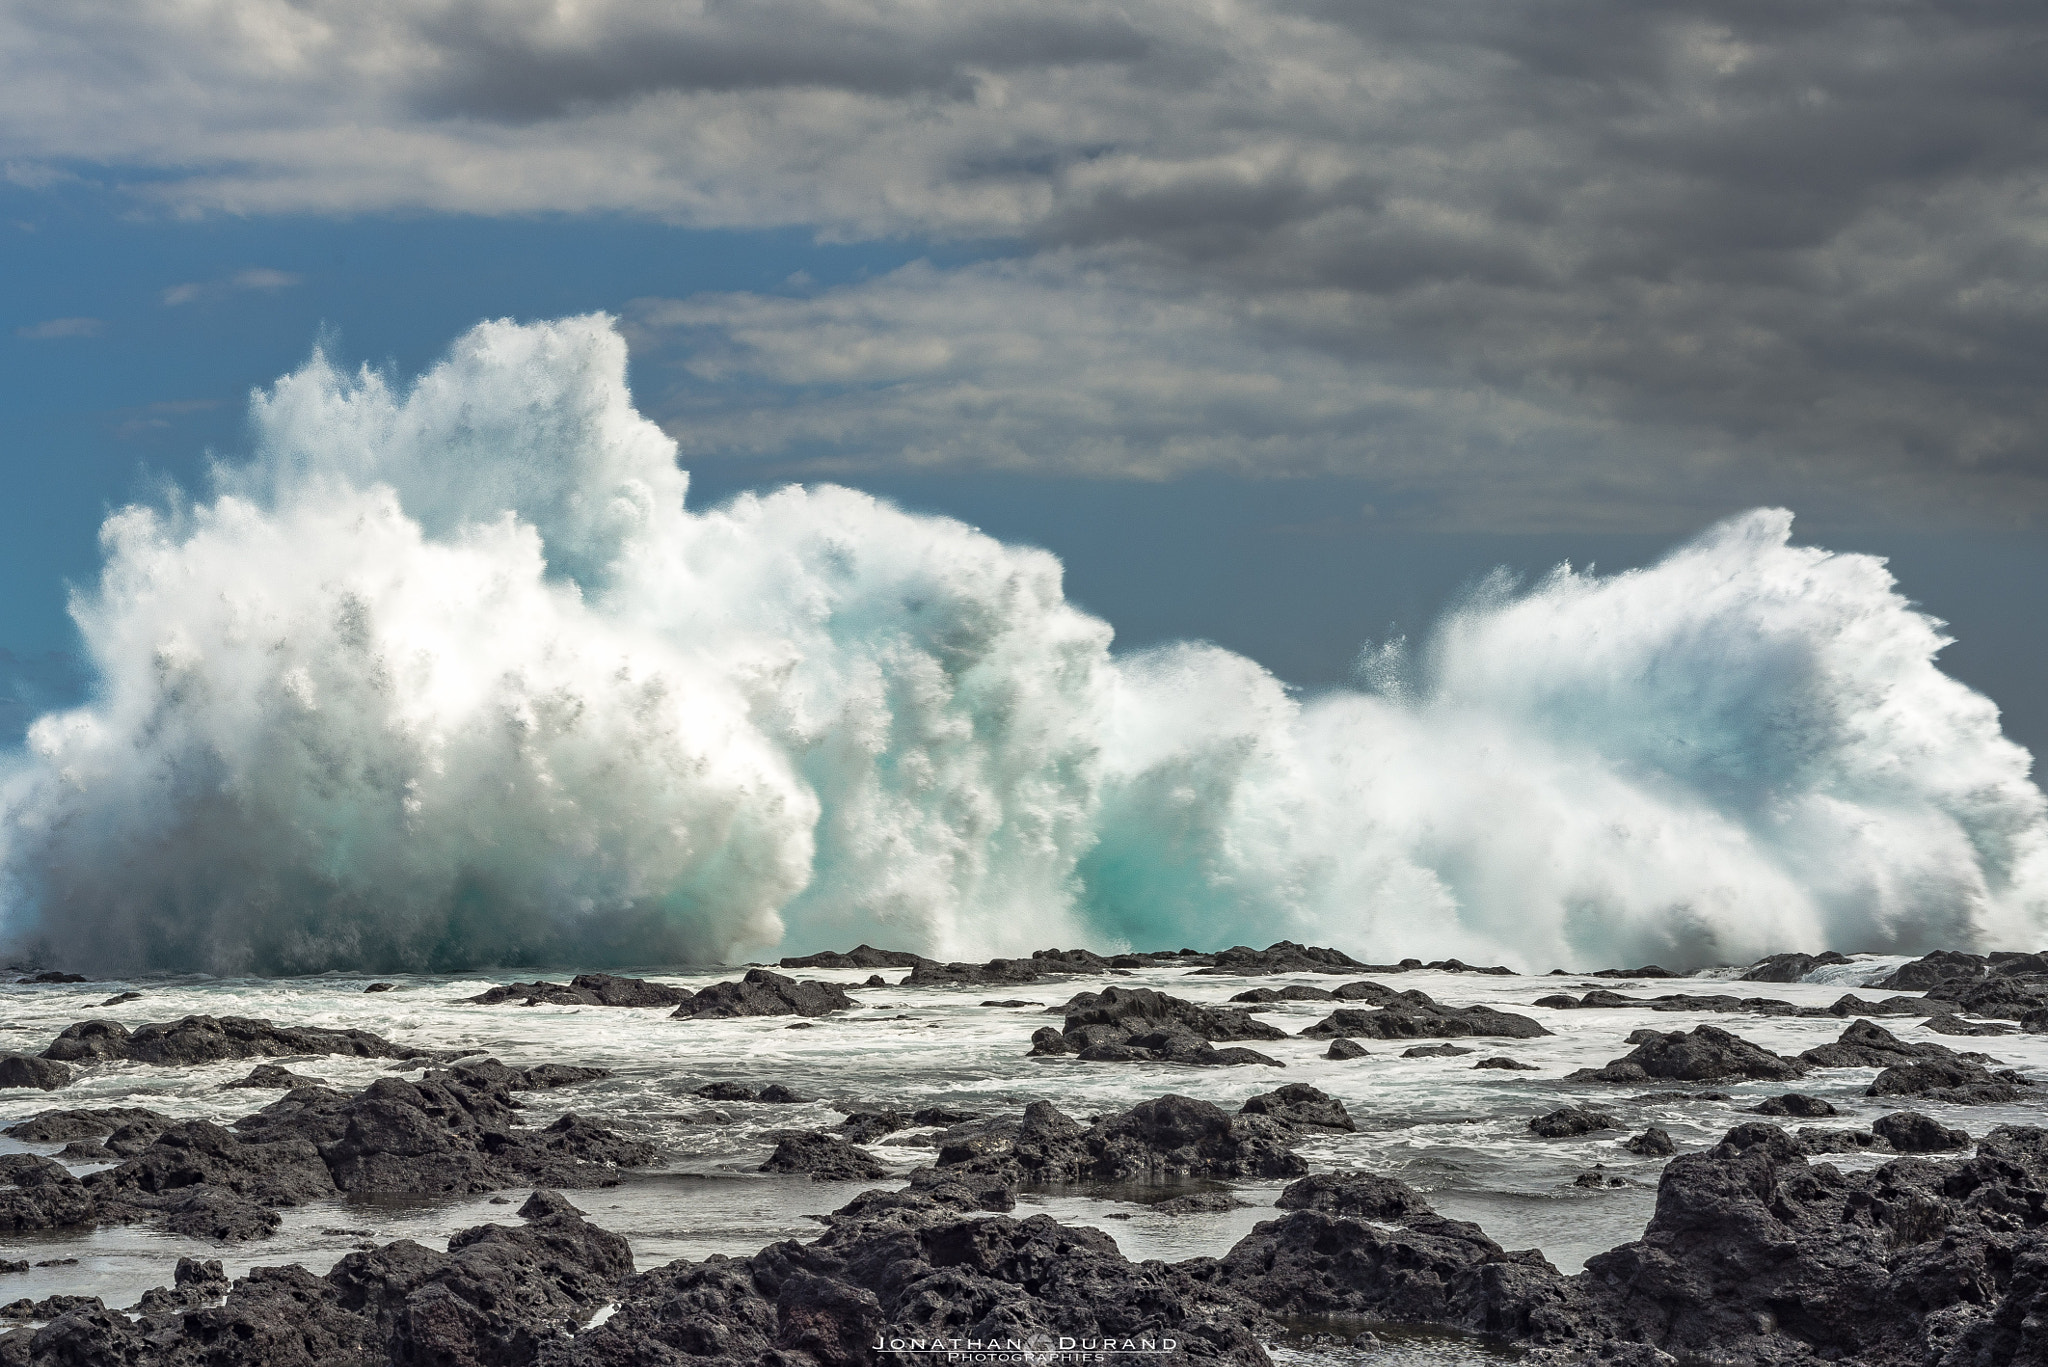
(1140, 1025)
(37, 1193)
(775, 1094)
(1286, 994)
(1169, 1137)
(209, 1039)
(1414, 1015)
(1433, 1051)
(1911, 1132)
(381, 987)
(1302, 1106)
(20, 1070)
(13, 1265)
(1197, 1203)
(52, 976)
(87, 1151)
(1865, 1044)
(1646, 971)
(1012, 1001)
(1362, 1195)
(211, 1213)
(1506, 1064)
(1933, 970)
(1704, 1054)
(1949, 1024)
(1793, 1103)
(1998, 996)
(1790, 968)
(1346, 1049)
(53, 1127)
(1652, 1143)
(586, 989)
(1957, 1081)
(195, 1283)
(762, 993)
(865, 1127)
(1042, 964)
(1598, 1178)
(121, 998)
(1849, 1004)
(271, 1075)
(826, 1157)
(860, 956)
(726, 1091)
(1571, 1120)
(1282, 956)
(942, 1115)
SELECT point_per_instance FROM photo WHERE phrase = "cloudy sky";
(1280, 319)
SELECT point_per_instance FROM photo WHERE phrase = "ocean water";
(1456, 1133)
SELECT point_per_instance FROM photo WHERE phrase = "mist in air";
(449, 676)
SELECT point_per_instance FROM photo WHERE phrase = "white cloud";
(255, 278)
(54, 329)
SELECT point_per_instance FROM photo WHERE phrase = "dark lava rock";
(1363, 1195)
(1012, 1001)
(195, 1283)
(1865, 1044)
(120, 998)
(1139, 1025)
(865, 1127)
(1433, 1051)
(211, 1213)
(1789, 968)
(860, 956)
(1282, 956)
(1911, 1132)
(52, 976)
(38, 1193)
(1506, 1064)
(54, 1127)
(1042, 964)
(1294, 993)
(826, 1157)
(208, 1039)
(1949, 1024)
(1934, 970)
(20, 1070)
(775, 1094)
(1849, 1004)
(1301, 1105)
(726, 1091)
(762, 993)
(1598, 1178)
(1705, 1054)
(271, 1075)
(1414, 1015)
(1197, 1203)
(1793, 1103)
(381, 987)
(1957, 1081)
(1171, 1136)
(1999, 996)
(1652, 1143)
(587, 989)
(1646, 971)
(1346, 1049)
(1570, 1121)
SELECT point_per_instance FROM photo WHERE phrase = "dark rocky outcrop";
(1704, 1054)
(1169, 1137)
(1415, 1015)
(1957, 1081)
(1646, 971)
(1140, 1025)
(209, 1039)
(762, 993)
(860, 956)
(1571, 1121)
(826, 1157)
(586, 989)
(54, 1127)
(39, 1193)
(1794, 1104)
(1341, 1048)
(1865, 1044)
(52, 976)
(22, 1070)
(1502, 1063)
(1911, 1132)
(1652, 1143)
(1290, 993)
(272, 1075)
(1789, 968)
(1283, 956)
(1300, 1106)
(1433, 1051)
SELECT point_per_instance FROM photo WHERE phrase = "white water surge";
(448, 676)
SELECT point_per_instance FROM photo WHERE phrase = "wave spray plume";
(448, 676)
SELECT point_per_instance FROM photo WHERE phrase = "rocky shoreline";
(1762, 1249)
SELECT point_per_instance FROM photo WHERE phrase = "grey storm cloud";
(1518, 258)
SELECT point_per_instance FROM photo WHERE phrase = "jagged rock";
(1292, 993)
(1363, 1195)
(1346, 1049)
(860, 956)
(271, 1075)
(380, 987)
(1957, 1081)
(1598, 1178)
(1506, 1064)
(1171, 1136)
(587, 989)
(1865, 1044)
(1042, 964)
(1652, 1143)
(54, 1127)
(1414, 1015)
(37, 1193)
(726, 1091)
(1933, 970)
(1950, 1024)
(211, 1213)
(1849, 1004)
(21, 1070)
(209, 1039)
(1793, 1103)
(1789, 968)
(1432, 1051)
(1646, 971)
(1282, 956)
(1197, 1203)
(1140, 1025)
(1999, 996)
(1911, 1132)
(1301, 1105)
(52, 976)
(826, 1157)
(865, 1127)
(1704, 1054)
(195, 1283)
(1570, 1121)
(762, 993)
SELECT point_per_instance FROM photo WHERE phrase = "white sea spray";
(449, 675)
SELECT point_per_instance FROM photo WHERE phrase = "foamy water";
(1456, 1133)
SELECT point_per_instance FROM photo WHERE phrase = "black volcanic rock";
(1646, 971)
(1652, 1143)
(1170, 1136)
(1865, 1044)
(1346, 1049)
(54, 1127)
(1705, 1054)
(1911, 1132)
(1432, 1051)
(1363, 1195)
(1298, 1104)
(1571, 1121)
(1283, 956)
(271, 1075)
(52, 976)
(209, 1039)
(826, 1157)
(1933, 970)
(1291, 993)
(762, 993)
(38, 1193)
(587, 989)
(1414, 1015)
(860, 956)
(22, 1070)
(1789, 968)
(1957, 1081)
(1794, 1104)
(1140, 1025)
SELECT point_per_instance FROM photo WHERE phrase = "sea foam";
(447, 675)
